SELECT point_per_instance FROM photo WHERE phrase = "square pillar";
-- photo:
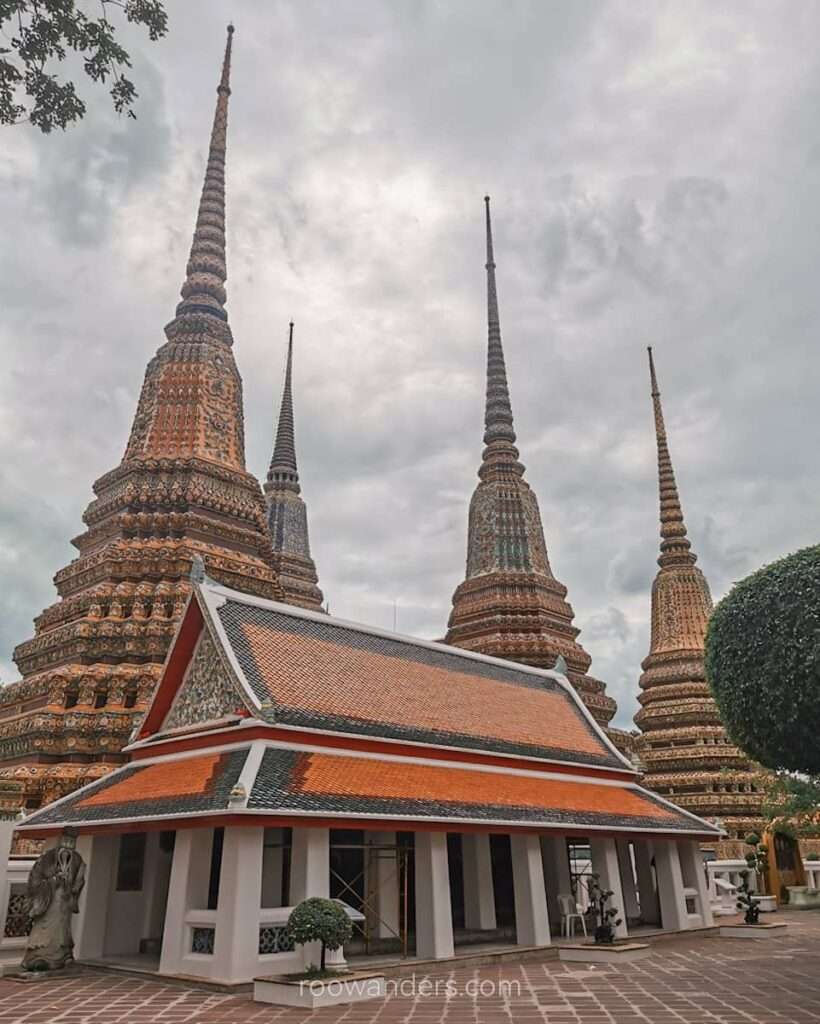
(309, 864)
(694, 877)
(434, 916)
(605, 866)
(187, 890)
(383, 885)
(6, 835)
(273, 861)
(479, 896)
(631, 907)
(647, 894)
(557, 877)
(670, 886)
(236, 942)
(89, 925)
(532, 923)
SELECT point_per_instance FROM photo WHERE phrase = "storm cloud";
(655, 174)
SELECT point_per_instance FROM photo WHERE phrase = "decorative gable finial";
(198, 570)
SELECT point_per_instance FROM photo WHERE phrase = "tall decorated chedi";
(181, 491)
(683, 745)
(287, 513)
(511, 605)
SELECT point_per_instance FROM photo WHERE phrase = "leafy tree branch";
(37, 36)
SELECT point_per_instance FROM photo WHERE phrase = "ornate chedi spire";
(180, 493)
(287, 514)
(683, 745)
(511, 605)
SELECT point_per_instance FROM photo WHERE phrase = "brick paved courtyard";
(697, 981)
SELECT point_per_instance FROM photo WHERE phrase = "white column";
(89, 925)
(694, 877)
(187, 890)
(434, 916)
(479, 896)
(151, 880)
(630, 895)
(670, 885)
(605, 866)
(6, 836)
(159, 901)
(273, 858)
(532, 923)
(383, 884)
(309, 864)
(557, 877)
(236, 942)
(646, 883)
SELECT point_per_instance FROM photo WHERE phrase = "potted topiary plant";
(757, 858)
(324, 921)
(747, 903)
(605, 916)
(320, 920)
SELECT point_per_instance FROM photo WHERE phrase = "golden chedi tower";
(683, 746)
(511, 605)
(287, 513)
(181, 491)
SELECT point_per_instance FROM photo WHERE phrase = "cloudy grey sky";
(655, 174)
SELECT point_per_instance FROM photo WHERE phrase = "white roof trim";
(539, 826)
(214, 728)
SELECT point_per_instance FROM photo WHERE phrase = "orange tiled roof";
(190, 777)
(321, 674)
(355, 777)
(197, 783)
(313, 784)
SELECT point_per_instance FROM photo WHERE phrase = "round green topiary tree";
(763, 662)
(320, 920)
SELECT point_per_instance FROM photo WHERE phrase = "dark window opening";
(130, 699)
(99, 700)
(70, 699)
(216, 868)
(131, 862)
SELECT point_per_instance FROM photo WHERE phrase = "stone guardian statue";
(54, 887)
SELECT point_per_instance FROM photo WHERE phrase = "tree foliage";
(320, 920)
(763, 662)
(792, 803)
(37, 36)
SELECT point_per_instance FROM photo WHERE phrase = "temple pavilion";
(436, 791)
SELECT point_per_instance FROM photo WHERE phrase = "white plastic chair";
(569, 914)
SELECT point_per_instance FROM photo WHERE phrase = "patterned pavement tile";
(685, 981)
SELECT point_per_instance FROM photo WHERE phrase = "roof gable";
(198, 685)
(208, 693)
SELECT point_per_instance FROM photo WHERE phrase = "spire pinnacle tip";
(203, 291)
(498, 418)
(675, 545)
(652, 377)
(283, 470)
